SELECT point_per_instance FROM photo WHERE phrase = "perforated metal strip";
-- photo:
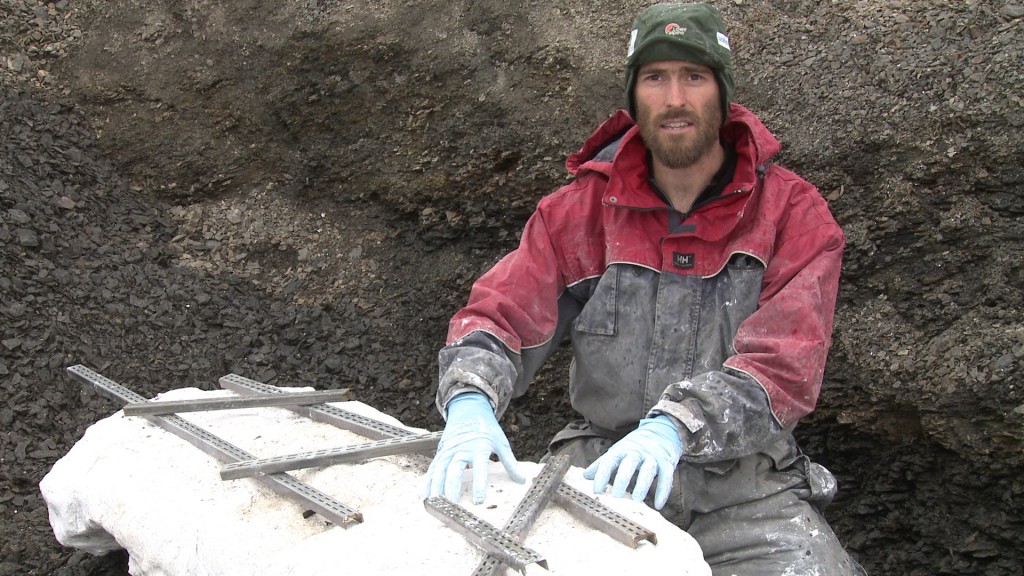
(523, 517)
(233, 403)
(600, 517)
(587, 509)
(483, 535)
(223, 451)
(339, 417)
(328, 456)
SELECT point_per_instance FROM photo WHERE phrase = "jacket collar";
(616, 150)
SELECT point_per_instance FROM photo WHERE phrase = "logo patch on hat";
(723, 41)
(674, 29)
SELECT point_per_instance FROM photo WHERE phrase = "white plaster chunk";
(129, 484)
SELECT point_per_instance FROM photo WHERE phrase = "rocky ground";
(302, 193)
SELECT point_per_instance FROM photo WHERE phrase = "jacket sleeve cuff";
(457, 382)
(478, 361)
(689, 416)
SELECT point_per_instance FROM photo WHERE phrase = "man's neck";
(683, 186)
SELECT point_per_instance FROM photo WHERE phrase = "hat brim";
(661, 49)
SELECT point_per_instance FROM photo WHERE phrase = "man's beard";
(680, 151)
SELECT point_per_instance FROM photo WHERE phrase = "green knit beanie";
(691, 32)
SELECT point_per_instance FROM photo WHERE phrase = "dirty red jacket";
(721, 317)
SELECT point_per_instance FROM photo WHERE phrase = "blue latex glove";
(470, 436)
(654, 448)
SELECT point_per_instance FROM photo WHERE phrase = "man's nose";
(676, 95)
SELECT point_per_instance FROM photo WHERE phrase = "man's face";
(678, 111)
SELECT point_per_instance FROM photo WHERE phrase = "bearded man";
(697, 284)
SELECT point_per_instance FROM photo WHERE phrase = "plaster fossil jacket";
(721, 318)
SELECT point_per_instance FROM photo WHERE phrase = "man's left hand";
(653, 449)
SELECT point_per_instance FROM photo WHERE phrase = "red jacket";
(721, 317)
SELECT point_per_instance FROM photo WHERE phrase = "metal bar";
(529, 508)
(326, 457)
(344, 419)
(483, 535)
(537, 496)
(219, 449)
(161, 407)
(589, 510)
(600, 517)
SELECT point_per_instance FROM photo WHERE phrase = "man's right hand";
(470, 436)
